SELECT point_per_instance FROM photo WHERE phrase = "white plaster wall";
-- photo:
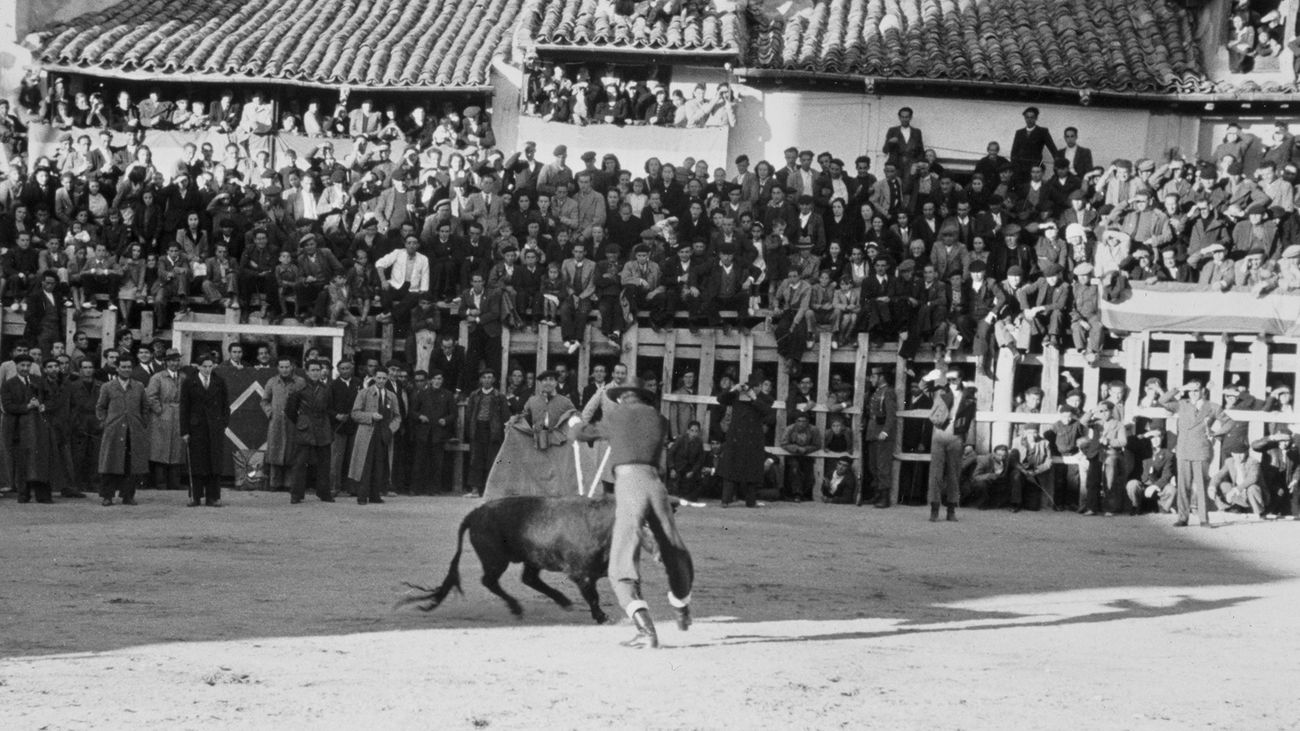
(847, 124)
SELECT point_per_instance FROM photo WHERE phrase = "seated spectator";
(838, 486)
(1238, 485)
(800, 440)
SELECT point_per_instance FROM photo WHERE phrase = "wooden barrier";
(1258, 362)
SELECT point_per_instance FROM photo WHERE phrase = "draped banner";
(1177, 307)
(246, 432)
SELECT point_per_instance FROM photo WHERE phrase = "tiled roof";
(1118, 45)
(424, 43)
(577, 23)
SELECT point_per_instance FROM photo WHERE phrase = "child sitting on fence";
(287, 275)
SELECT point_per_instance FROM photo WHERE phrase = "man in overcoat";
(204, 414)
(166, 448)
(124, 448)
(434, 410)
(279, 445)
(744, 456)
(308, 411)
(376, 415)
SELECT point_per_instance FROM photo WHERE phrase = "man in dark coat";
(952, 414)
(124, 448)
(44, 317)
(486, 413)
(84, 428)
(205, 411)
(745, 456)
(343, 392)
(308, 413)
(879, 438)
(22, 404)
(434, 411)
(1028, 145)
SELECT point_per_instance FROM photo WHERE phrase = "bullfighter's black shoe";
(683, 617)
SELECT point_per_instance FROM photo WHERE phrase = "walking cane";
(189, 471)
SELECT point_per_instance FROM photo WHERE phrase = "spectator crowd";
(1013, 258)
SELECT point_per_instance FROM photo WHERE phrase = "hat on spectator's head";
(588, 156)
(1257, 252)
(548, 375)
(640, 249)
(529, 146)
(65, 137)
(805, 200)
(725, 248)
(272, 192)
(633, 386)
(509, 248)
(1257, 209)
(1015, 270)
(338, 176)
(977, 267)
(1082, 269)
(803, 244)
(1239, 448)
(1143, 192)
(369, 221)
(1075, 230)
(1152, 382)
(1141, 251)
(1291, 252)
(649, 234)
(755, 379)
(1146, 165)
(472, 111)
(932, 376)
(1077, 194)
(307, 239)
(908, 265)
(1011, 229)
(22, 358)
(1068, 409)
(1235, 169)
(1052, 269)
(1049, 223)
(1207, 172)
(1213, 249)
(561, 150)
(1123, 164)
(172, 353)
(613, 249)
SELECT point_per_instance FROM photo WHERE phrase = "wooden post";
(900, 393)
(820, 418)
(667, 381)
(584, 362)
(504, 366)
(1218, 369)
(146, 325)
(542, 348)
(708, 352)
(629, 351)
(1175, 373)
(1051, 381)
(857, 421)
(746, 355)
(386, 344)
(1003, 400)
(1135, 349)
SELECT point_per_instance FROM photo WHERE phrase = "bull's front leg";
(587, 586)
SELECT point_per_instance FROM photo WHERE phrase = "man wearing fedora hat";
(636, 433)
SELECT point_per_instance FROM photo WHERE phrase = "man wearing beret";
(555, 174)
(1257, 231)
(636, 433)
(1046, 306)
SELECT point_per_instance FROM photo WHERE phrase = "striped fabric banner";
(1176, 307)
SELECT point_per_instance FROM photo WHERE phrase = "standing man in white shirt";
(403, 277)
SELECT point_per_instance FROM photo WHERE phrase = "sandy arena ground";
(263, 615)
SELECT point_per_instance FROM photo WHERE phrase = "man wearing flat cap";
(642, 286)
(636, 433)
(1257, 231)
(1046, 306)
(952, 414)
(1143, 222)
(1085, 314)
(556, 173)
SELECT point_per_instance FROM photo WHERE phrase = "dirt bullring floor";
(808, 616)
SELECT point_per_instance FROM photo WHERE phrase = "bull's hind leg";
(532, 578)
(492, 572)
(587, 586)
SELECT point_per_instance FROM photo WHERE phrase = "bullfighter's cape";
(541, 461)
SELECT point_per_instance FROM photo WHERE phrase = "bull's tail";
(433, 597)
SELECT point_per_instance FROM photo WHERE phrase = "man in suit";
(124, 447)
(1046, 305)
(887, 197)
(641, 284)
(1028, 145)
(84, 428)
(523, 168)
(486, 413)
(205, 412)
(1078, 158)
(44, 316)
(375, 412)
(952, 414)
(486, 207)
(481, 309)
(904, 144)
(879, 438)
(1195, 414)
(342, 394)
(308, 410)
(579, 276)
(879, 290)
(981, 302)
(1238, 484)
(433, 412)
(1155, 484)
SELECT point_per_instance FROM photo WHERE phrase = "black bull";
(570, 535)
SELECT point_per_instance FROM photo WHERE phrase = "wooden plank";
(861, 370)
(900, 393)
(667, 381)
(746, 355)
(147, 325)
(1091, 384)
(823, 395)
(386, 351)
(707, 381)
(629, 351)
(1135, 347)
(542, 351)
(269, 330)
(1219, 376)
(507, 337)
(1004, 398)
(1051, 380)
(1173, 365)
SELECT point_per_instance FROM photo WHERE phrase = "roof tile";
(585, 24)
(443, 43)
